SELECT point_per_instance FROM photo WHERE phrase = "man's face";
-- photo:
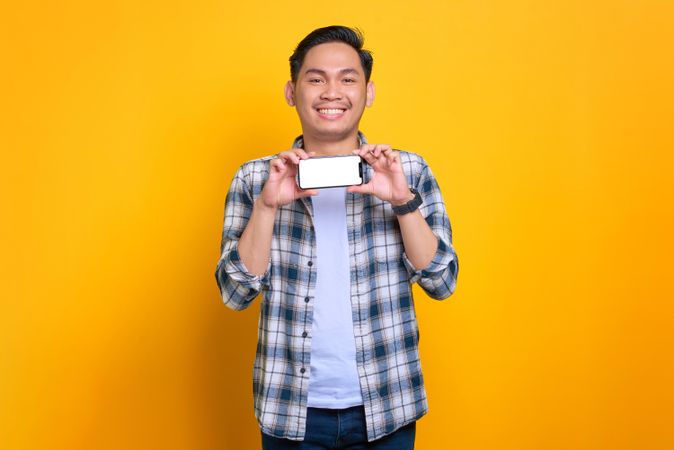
(330, 92)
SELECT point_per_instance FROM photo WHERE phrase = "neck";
(341, 146)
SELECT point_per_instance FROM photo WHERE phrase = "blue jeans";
(341, 429)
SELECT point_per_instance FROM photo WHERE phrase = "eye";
(349, 80)
(314, 80)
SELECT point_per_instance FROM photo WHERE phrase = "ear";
(369, 94)
(290, 93)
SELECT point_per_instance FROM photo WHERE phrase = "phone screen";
(330, 171)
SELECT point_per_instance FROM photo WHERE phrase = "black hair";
(333, 33)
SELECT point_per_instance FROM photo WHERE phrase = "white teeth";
(330, 111)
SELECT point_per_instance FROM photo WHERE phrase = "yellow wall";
(548, 124)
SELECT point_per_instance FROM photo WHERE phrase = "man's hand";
(281, 187)
(388, 182)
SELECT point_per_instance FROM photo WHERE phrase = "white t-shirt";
(333, 381)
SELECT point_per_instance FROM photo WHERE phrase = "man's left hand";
(388, 182)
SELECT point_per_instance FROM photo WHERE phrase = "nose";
(331, 91)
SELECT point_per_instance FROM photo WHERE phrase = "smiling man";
(337, 362)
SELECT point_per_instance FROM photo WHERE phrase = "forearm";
(419, 241)
(255, 242)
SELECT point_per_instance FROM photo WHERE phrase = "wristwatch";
(410, 206)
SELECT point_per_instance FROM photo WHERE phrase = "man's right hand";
(281, 187)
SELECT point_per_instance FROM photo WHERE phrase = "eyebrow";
(323, 72)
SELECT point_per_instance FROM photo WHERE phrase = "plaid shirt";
(384, 320)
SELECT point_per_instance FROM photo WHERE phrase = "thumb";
(360, 189)
(299, 193)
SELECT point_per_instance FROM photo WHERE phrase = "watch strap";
(410, 206)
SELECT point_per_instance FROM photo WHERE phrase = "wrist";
(263, 207)
(410, 205)
(406, 198)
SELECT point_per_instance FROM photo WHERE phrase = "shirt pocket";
(384, 236)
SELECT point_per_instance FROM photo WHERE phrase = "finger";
(277, 164)
(289, 156)
(375, 151)
(305, 193)
(392, 155)
(361, 189)
(301, 153)
(378, 149)
(354, 189)
(365, 149)
(368, 157)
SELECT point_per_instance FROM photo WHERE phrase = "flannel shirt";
(384, 320)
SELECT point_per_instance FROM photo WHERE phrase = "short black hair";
(333, 33)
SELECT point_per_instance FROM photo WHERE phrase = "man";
(337, 361)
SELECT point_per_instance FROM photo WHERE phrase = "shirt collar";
(299, 140)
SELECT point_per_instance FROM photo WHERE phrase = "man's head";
(330, 82)
(334, 33)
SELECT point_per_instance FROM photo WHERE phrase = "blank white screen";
(329, 172)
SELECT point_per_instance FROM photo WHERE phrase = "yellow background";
(547, 123)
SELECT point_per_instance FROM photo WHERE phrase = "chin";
(333, 133)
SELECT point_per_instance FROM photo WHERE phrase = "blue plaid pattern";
(384, 320)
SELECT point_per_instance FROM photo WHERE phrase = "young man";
(337, 360)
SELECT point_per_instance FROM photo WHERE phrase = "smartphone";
(330, 171)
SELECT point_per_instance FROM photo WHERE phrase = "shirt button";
(306, 299)
(310, 263)
(302, 370)
(304, 334)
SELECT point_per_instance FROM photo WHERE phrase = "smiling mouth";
(331, 112)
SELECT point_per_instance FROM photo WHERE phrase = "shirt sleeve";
(238, 287)
(438, 278)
